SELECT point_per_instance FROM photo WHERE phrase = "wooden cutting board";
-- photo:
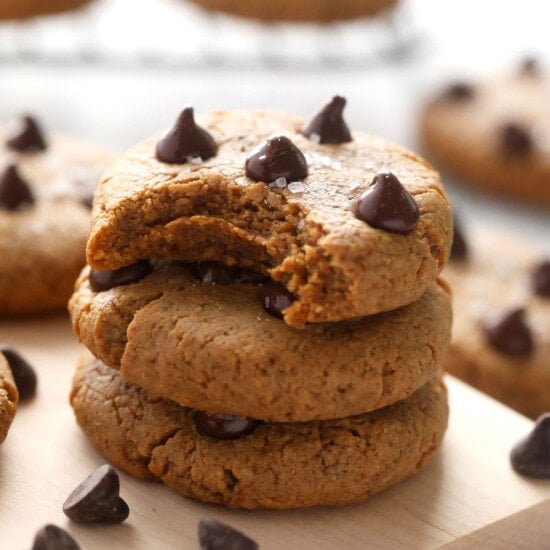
(468, 496)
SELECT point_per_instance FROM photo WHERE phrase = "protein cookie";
(334, 462)
(46, 184)
(501, 326)
(8, 398)
(222, 347)
(23, 9)
(495, 133)
(351, 224)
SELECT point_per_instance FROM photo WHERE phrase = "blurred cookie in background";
(23, 9)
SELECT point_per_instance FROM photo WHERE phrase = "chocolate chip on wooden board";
(23, 374)
(51, 537)
(531, 456)
(27, 136)
(215, 535)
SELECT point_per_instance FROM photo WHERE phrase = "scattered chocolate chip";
(96, 499)
(23, 374)
(530, 66)
(223, 426)
(14, 190)
(387, 205)
(459, 91)
(277, 299)
(459, 250)
(88, 200)
(27, 136)
(531, 456)
(220, 274)
(215, 535)
(51, 537)
(509, 334)
(277, 158)
(186, 141)
(104, 280)
(541, 279)
(515, 139)
(328, 126)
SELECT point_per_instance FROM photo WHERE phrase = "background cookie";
(277, 465)
(503, 353)
(494, 133)
(22, 9)
(8, 398)
(306, 235)
(217, 349)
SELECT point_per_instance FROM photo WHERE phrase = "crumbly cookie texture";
(23, 9)
(9, 397)
(217, 349)
(42, 245)
(496, 136)
(334, 462)
(306, 235)
(495, 277)
(305, 10)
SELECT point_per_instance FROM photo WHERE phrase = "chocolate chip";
(328, 125)
(27, 136)
(215, 535)
(387, 205)
(277, 299)
(277, 158)
(51, 537)
(14, 190)
(509, 334)
(223, 426)
(104, 280)
(541, 279)
(186, 141)
(23, 374)
(459, 250)
(515, 140)
(531, 456)
(87, 200)
(459, 91)
(220, 274)
(530, 66)
(96, 499)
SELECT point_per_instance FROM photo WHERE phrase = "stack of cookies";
(263, 310)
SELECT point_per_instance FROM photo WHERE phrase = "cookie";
(494, 133)
(501, 327)
(23, 9)
(46, 185)
(334, 462)
(216, 347)
(366, 231)
(322, 11)
(8, 398)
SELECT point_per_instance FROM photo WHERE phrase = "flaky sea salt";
(296, 187)
(300, 225)
(316, 138)
(194, 160)
(354, 185)
(322, 161)
(279, 183)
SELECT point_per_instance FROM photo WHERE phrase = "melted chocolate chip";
(23, 374)
(51, 537)
(328, 126)
(387, 205)
(186, 141)
(223, 426)
(459, 250)
(509, 334)
(220, 274)
(104, 280)
(515, 140)
(531, 456)
(27, 137)
(96, 499)
(277, 158)
(459, 91)
(277, 299)
(14, 190)
(215, 535)
(530, 66)
(541, 279)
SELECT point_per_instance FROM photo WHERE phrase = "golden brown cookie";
(8, 398)
(45, 185)
(308, 234)
(23, 9)
(494, 134)
(501, 327)
(334, 462)
(216, 348)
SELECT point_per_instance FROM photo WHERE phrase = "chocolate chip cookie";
(352, 225)
(23, 9)
(8, 398)
(46, 184)
(333, 462)
(501, 328)
(217, 348)
(494, 133)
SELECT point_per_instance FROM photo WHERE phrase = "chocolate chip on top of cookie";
(15, 192)
(530, 66)
(509, 333)
(459, 91)
(27, 136)
(541, 279)
(515, 139)
(459, 248)
(531, 456)
(328, 125)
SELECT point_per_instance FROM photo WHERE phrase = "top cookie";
(306, 234)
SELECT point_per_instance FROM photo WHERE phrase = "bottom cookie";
(287, 465)
(8, 398)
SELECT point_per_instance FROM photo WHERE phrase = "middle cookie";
(215, 347)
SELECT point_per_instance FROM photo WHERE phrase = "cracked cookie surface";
(306, 237)
(216, 348)
(291, 465)
(9, 397)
